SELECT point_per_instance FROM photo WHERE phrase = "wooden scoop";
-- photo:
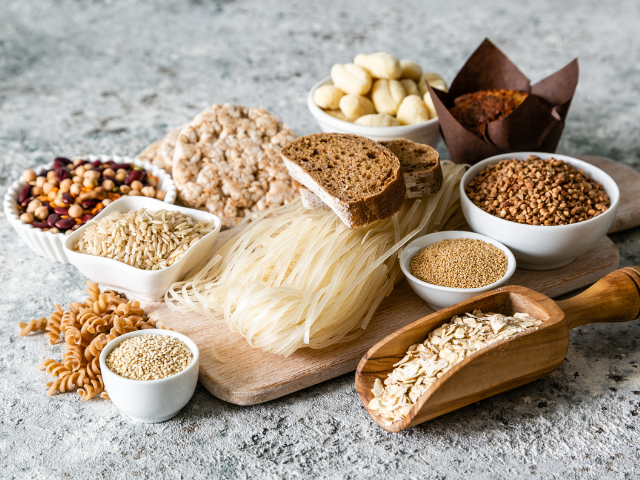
(508, 363)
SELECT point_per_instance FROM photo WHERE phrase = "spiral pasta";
(87, 328)
(53, 326)
(33, 326)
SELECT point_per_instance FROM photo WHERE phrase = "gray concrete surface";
(101, 76)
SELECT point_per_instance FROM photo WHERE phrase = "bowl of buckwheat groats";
(445, 268)
(54, 200)
(150, 374)
(547, 208)
(141, 246)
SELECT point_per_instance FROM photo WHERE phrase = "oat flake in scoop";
(143, 239)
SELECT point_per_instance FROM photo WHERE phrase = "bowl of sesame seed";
(150, 374)
(446, 268)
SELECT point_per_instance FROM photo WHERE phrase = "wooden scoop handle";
(614, 298)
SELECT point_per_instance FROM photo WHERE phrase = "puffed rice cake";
(160, 153)
(227, 161)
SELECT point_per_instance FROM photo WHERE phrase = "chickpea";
(136, 185)
(148, 191)
(41, 213)
(134, 193)
(125, 189)
(121, 170)
(77, 179)
(51, 175)
(120, 176)
(79, 171)
(77, 162)
(160, 194)
(75, 189)
(29, 175)
(106, 202)
(89, 182)
(152, 181)
(108, 185)
(88, 166)
(75, 211)
(36, 190)
(65, 184)
(53, 230)
(68, 232)
(27, 217)
(40, 181)
(109, 173)
(47, 188)
(52, 195)
(54, 182)
(33, 205)
(100, 191)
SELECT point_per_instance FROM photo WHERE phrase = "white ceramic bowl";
(427, 132)
(539, 247)
(441, 297)
(149, 285)
(49, 245)
(151, 401)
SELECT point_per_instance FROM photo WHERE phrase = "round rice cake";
(160, 153)
(227, 161)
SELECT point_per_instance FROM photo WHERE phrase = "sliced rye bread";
(359, 179)
(309, 199)
(420, 167)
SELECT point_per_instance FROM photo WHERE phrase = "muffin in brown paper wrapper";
(535, 125)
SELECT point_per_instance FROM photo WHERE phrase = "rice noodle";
(300, 278)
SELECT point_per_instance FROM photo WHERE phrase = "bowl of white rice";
(141, 246)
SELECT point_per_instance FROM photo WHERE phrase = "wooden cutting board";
(250, 376)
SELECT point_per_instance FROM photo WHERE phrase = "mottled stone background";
(99, 76)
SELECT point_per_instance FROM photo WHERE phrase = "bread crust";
(334, 167)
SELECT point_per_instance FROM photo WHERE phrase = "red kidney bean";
(67, 198)
(87, 204)
(96, 163)
(65, 223)
(117, 166)
(39, 225)
(86, 217)
(111, 163)
(143, 176)
(61, 174)
(62, 161)
(26, 201)
(81, 162)
(24, 193)
(132, 176)
(61, 210)
(99, 170)
(43, 173)
(99, 210)
(52, 219)
(46, 203)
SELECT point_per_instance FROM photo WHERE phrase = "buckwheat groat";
(227, 161)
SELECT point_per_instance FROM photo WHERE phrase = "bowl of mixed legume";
(547, 208)
(446, 268)
(141, 246)
(150, 374)
(53, 200)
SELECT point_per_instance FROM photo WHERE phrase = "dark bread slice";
(359, 179)
(309, 199)
(420, 166)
